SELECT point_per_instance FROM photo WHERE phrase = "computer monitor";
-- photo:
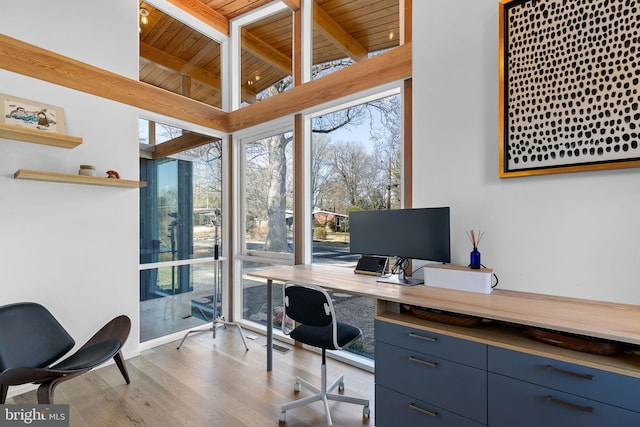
(406, 234)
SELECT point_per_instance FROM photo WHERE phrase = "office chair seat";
(322, 336)
(311, 307)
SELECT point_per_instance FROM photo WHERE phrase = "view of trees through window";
(355, 166)
(268, 193)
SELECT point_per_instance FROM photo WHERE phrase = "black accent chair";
(311, 307)
(31, 340)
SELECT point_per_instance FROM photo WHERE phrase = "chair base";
(324, 394)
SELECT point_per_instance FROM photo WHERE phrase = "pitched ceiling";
(177, 58)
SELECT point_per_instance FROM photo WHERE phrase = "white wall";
(563, 234)
(74, 248)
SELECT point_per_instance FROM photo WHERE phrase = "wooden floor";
(208, 382)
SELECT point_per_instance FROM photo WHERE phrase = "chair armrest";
(117, 329)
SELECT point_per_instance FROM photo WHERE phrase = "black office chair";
(311, 307)
(31, 339)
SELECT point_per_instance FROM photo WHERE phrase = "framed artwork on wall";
(31, 114)
(569, 86)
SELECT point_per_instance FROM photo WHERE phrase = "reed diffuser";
(474, 256)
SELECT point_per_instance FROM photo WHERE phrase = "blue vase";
(474, 259)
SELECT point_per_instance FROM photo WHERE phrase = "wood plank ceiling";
(181, 60)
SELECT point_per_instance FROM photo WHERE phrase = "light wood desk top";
(619, 322)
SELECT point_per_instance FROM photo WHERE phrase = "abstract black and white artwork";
(569, 83)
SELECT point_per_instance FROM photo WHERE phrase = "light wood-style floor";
(208, 382)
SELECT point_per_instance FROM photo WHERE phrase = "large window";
(180, 219)
(355, 165)
(266, 214)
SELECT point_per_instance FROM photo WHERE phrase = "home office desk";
(618, 322)
(500, 342)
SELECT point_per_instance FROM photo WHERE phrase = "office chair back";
(308, 305)
(31, 336)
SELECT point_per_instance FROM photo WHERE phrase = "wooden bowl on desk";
(575, 342)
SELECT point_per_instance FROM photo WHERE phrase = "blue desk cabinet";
(477, 377)
(416, 369)
(457, 350)
(529, 390)
(518, 403)
(400, 410)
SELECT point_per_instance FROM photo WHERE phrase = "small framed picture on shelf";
(31, 114)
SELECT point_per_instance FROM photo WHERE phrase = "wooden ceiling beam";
(181, 143)
(390, 66)
(204, 13)
(337, 35)
(24, 58)
(266, 53)
(294, 5)
(178, 65)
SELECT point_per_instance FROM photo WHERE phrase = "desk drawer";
(607, 387)
(517, 403)
(457, 388)
(394, 409)
(457, 350)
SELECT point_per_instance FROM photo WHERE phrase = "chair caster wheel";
(296, 388)
(341, 387)
(283, 418)
(366, 412)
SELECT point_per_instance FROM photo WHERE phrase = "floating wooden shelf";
(39, 137)
(76, 179)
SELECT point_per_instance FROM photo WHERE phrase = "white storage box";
(458, 278)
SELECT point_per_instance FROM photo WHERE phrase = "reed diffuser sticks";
(475, 237)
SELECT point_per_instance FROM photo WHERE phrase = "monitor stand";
(396, 280)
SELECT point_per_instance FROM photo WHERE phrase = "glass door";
(180, 218)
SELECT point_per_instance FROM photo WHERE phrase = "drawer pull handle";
(575, 374)
(588, 409)
(423, 362)
(422, 337)
(423, 411)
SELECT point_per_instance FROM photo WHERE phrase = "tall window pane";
(355, 166)
(268, 196)
(267, 202)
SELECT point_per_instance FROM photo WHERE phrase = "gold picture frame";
(29, 114)
(569, 95)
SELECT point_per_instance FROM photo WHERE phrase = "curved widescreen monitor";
(405, 233)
